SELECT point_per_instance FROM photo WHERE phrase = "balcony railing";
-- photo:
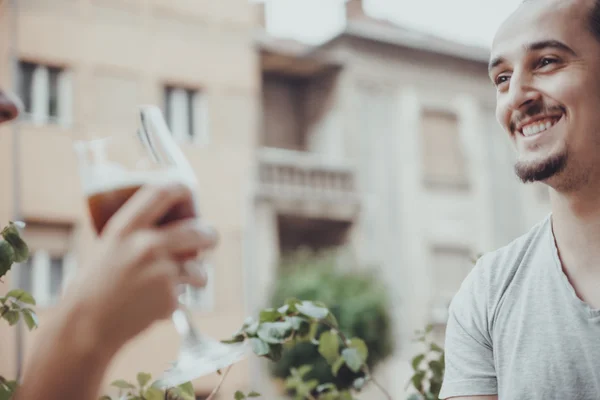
(299, 175)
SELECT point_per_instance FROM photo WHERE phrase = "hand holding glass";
(112, 169)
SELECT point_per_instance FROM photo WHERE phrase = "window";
(51, 264)
(443, 156)
(186, 114)
(45, 92)
(201, 299)
(45, 275)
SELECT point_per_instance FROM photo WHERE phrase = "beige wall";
(120, 54)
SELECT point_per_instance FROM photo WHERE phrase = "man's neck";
(576, 226)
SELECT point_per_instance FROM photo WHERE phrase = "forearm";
(68, 360)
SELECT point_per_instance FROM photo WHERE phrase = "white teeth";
(534, 129)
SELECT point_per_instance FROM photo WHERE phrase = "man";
(130, 283)
(525, 323)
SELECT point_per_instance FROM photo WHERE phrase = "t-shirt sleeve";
(470, 369)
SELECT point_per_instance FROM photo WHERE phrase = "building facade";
(386, 140)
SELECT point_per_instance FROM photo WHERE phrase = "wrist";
(83, 326)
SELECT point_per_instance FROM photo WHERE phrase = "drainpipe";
(16, 153)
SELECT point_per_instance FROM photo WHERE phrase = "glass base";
(201, 358)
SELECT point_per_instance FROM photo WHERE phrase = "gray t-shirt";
(517, 329)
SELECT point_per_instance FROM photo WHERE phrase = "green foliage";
(143, 390)
(16, 304)
(299, 321)
(428, 369)
(358, 304)
(12, 247)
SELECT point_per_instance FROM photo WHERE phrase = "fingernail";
(195, 269)
(207, 230)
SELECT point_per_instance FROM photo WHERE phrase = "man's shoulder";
(514, 255)
(496, 270)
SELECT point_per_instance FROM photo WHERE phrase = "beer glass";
(112, 169)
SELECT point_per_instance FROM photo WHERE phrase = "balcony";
(307, 183)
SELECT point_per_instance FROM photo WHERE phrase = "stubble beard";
(540, 171)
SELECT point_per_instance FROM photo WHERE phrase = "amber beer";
(105, 200)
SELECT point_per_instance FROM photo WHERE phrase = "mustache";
(533, 111)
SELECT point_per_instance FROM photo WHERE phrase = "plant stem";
(365, 367)
(212, 394)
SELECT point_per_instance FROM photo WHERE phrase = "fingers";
(162, 277)
(148, 206)
(193, 273)
(185, 239)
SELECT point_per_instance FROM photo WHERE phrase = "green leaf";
(436, 348)
(122, 384)
(143, 378)
(303, 370)
(105, 398)
(335, 368)
(270, 315)
(12, 317)
(30, 318)
(12, 236)
(187, 389)
(326, 387)
(292, 303)
(332, 320)
(360, 346)
(283, 309)
(312, 310)
(7, 257)
(259, 347)
(329, 346)
(417, 380)
(239, 395)
(437, 368)
(153, 393)
(297, 323)
(22, 296)
(435, 387)
(253, 394)
(345, 395)
(359, 383)
(274, 332)
(417, 361)
(275, 352)
(236, 339)
(352, 359)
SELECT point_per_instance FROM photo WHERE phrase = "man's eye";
(501, 79)
(547, 61)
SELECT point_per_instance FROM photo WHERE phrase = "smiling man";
(525, 323)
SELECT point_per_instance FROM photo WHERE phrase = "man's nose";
(10, 107)
(521, 94)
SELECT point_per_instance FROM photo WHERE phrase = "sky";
(467, 21)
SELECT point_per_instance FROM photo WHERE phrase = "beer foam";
(108, 177)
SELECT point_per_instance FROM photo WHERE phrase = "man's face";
(9, 107)
(545, 65)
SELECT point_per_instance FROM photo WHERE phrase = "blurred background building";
(382, 138)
